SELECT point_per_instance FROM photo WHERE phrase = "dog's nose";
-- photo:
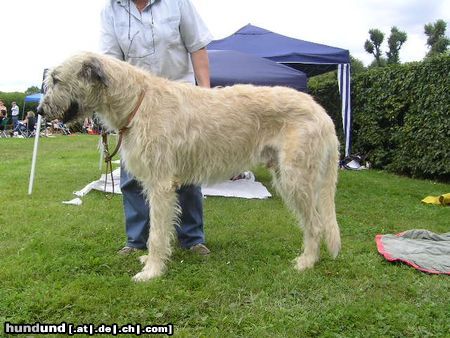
(40, 111)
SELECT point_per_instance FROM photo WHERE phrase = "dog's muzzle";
(40, 110)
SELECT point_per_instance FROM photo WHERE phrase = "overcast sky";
(37, 34)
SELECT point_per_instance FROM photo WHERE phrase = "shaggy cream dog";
(175, 134)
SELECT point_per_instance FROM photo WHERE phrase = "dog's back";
(237, 127)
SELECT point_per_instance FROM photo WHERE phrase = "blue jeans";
(137, 213)
(15, 120)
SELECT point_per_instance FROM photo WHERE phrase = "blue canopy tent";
(311, 58)
(31, 98)
(230, 67)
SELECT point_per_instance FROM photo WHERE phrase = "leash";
(107, 155)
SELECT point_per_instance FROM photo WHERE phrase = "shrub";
(400, 116)
(327, 94)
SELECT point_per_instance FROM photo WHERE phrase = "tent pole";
(344, 88)
(23, 109)
(33, 161)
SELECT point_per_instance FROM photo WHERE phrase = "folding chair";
(31, 132)
(63, 129)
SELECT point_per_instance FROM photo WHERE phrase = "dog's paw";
(304, 262)
(143, 259)
(146, 275)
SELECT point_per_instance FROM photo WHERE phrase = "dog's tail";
(326, 203)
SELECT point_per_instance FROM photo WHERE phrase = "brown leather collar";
(108, 156)
(122, 130)
(133, 113)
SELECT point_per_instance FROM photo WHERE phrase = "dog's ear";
(92, 71)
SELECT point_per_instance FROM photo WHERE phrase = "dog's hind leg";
(300, 196)
(326, 204)
(163, 214)
(297, 182)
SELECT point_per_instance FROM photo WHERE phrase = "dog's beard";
(71, 112)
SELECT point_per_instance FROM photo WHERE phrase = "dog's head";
(72, 88)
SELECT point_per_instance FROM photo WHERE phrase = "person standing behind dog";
(15, 114)
(168, 39)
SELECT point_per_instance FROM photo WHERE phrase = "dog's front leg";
(163, 214)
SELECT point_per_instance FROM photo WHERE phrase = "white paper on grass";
(243, 188)
(75, 201)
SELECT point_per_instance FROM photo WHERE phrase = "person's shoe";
(126, 250)
(200, 249)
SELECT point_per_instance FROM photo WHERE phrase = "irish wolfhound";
(175, 134)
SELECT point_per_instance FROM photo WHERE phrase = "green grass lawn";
(59, 262)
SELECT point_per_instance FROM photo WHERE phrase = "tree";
(357, 66)
(32, 90)
(382, 62)
(395, 42)
(437, 41)
(373, 44)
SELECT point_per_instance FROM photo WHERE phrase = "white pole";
(100, 148)
(33, 161)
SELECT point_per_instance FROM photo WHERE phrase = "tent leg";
(344, 88)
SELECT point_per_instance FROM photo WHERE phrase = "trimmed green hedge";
(401, 116)
(327, 94)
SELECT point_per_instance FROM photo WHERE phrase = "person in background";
(87, 125)
(2, 121)
(28, 124)
(15, 114)
(3, 110)
(166, 38)
(30, 121)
